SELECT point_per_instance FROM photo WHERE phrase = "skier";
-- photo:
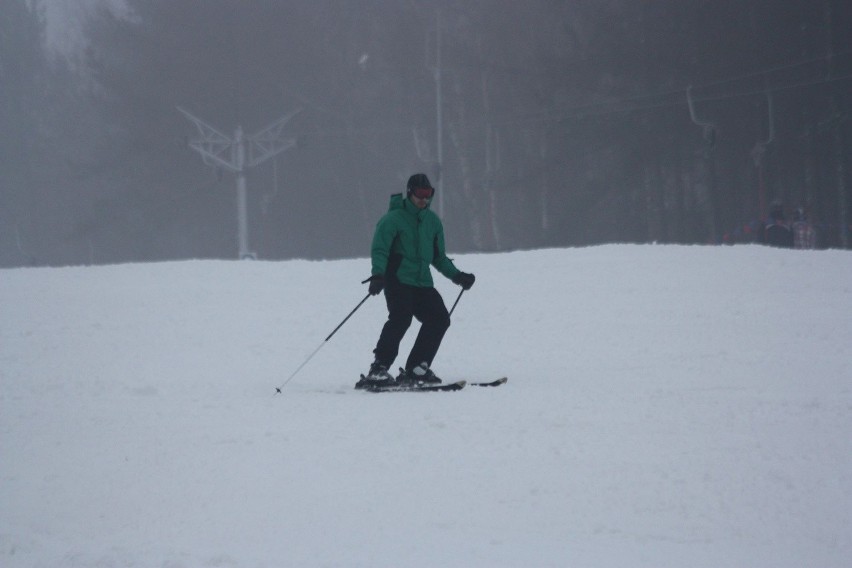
(409, 238)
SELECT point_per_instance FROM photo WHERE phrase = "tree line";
(562, 123)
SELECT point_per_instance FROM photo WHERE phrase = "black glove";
(464, 280)
(377, 284)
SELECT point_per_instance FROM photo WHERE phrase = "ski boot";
(377, 376)
(419, 375)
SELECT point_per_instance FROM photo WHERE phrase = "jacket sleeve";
(381, 248)
(440, 260)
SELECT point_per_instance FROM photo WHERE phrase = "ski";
(421, 387)
(497, 383)
(455, 386)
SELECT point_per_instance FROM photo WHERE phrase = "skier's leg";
(428, 308)
(400, 311)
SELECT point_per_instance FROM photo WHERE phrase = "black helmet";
(418, 180)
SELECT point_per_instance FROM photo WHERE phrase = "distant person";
(804, 235)
(777, 232)
(409, 239)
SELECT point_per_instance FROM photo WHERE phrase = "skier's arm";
(381, 247)
(446, 267)
(440, 260)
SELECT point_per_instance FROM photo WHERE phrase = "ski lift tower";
(236, 155)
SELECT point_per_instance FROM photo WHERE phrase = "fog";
(542, 124)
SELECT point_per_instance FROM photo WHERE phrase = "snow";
(667, 406)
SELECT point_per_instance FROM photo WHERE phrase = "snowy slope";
(667, 406)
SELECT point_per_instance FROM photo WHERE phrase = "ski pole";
(456, 302)
(330, 335)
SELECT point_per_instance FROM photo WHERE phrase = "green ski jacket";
(407, 241)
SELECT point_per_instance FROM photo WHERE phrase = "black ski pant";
(404, 303)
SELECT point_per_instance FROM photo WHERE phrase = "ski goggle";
(423, 192)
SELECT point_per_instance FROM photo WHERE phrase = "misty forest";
(541, 123)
